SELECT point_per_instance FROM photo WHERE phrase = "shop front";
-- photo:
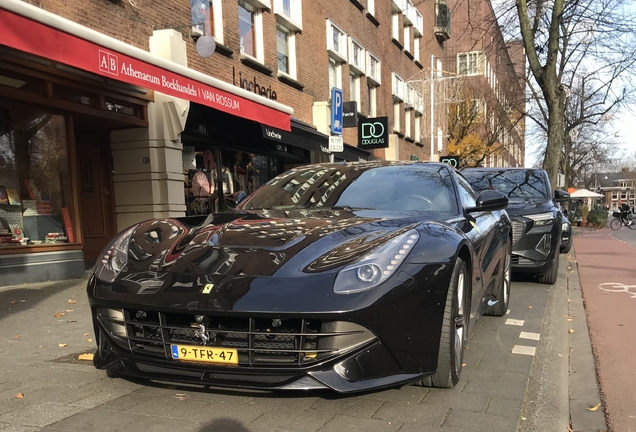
(224, 155)
(90, 136)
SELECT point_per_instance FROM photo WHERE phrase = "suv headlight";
(565, 226)
(375, 267)
(115, 257)
(542, 219)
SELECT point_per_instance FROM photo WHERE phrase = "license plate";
(202, 354)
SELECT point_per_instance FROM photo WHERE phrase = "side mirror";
(565, 212)
(489, 200)
(561, 195)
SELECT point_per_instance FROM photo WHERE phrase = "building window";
(418, 125)
(357, 57)
(372, 92)
(354, 89)
(335, 74)
(471, 63)
(336, 42)
(289, 13)
(407, 123)
(407, 38)
(416, 49)
(36, 192)
(207, 18)
(247, 28)
(286, 50)
(395, 26)
(397, 112)
(371, 6)
(398, 87)
(373, 69)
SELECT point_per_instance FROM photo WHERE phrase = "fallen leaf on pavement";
(87, 356)
(86, 334)
(22, 301)
(17, 336)
(594, 408)
(59, 314)
(71, 301)
(13, 302)
(559, 355)
(71, 321)
(529, 307)
(464, 365)
(19, 396)
(62, 345)
(70, 310)
(90, 340)
(571, 330)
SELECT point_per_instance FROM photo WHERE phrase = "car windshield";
(519, 185)
(368, 186)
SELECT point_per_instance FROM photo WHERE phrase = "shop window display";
(239, 172)
(36, 196)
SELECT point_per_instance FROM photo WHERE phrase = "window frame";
(216, 21)
(338, 73)
(372, 99)
(397, 86)
(291, 51)
(257, 30)
(360, 67)
(397, 114)
(294, 21)
(376, 77)
(468, 66)
(339, 53)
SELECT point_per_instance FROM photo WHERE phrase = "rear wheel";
(567, 248)
(454, 331)
(615, 224)
(503, 290)
(552, 275)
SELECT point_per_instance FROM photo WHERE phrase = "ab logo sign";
(373, 133)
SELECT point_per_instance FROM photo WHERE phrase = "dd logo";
(372, 130)
(451, 160)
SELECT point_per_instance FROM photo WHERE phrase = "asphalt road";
(43, 387)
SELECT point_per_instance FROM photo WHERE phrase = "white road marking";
(514, 322)
(508, 312)
(618, 287)
(525, 350)
(528, 335)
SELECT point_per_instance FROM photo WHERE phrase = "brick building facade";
(166, 131)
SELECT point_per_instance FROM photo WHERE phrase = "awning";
(304, 136)
(30, 29)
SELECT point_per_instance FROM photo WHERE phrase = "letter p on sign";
(336, 111)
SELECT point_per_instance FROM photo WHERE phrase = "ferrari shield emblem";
(207, 288)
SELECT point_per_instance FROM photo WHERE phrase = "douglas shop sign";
(373, 133)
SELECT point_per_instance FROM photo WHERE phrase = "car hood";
(520, 208)
(262, 244)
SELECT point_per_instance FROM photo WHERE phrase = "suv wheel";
(551, 276)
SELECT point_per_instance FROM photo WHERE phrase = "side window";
(466, 193)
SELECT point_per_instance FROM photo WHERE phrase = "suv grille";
(259, 341)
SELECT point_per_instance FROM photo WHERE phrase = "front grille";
(518, 230)
(259, 341)
(518, 260)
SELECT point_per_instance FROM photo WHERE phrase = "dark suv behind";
(536, 218)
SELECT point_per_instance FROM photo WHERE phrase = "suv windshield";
(370, 186)
(519, 185)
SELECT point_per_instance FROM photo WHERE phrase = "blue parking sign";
(336, 111)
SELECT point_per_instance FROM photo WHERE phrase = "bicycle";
(619, 221)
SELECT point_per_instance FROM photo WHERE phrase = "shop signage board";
(38, 39)
(451, 160)
(350, 114)
(373, 133)
(336, 111)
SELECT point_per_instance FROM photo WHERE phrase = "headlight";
(115, 257)
(565, 226)
(542, 219)
(375, 267)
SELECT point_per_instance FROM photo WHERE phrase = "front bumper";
(534, 249)
(389, 340)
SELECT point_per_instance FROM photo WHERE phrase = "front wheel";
(454, 331)
(615, 224)
(551, 276)
(503, 288)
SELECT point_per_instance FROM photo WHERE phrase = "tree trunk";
(554, 148)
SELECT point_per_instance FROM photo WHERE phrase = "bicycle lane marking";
(617, 287)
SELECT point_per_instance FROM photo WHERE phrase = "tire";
(615, 224)
(551, 276)
(454, 331)
(568, 248)
(503, 288)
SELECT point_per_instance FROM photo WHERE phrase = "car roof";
(381, 163)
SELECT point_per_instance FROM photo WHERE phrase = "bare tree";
(588, 45)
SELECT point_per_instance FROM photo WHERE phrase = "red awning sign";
(38, 39)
